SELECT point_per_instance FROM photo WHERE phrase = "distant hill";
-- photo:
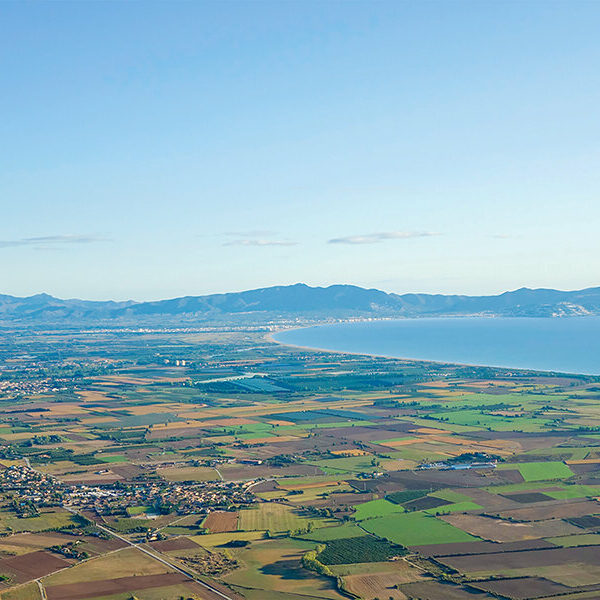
(295, 301)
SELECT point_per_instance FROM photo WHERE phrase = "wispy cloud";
(504, 236)
(260, 242)
(254, 233)
(381, 236)
(256, 238)
(53, 241)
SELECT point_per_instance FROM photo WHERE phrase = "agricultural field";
(275, 517)
(361, 549)
(164, 465)
(416, 529)
(376, 508)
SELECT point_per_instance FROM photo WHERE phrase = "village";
(32, 490)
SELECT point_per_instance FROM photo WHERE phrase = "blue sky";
(152, 150)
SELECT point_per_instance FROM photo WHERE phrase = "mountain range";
(297, 301)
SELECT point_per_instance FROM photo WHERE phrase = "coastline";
(522, 370)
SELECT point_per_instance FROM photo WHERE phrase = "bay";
(566, 345)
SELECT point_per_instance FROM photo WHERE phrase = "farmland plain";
(168, 464)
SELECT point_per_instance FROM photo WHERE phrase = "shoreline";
(270, 337)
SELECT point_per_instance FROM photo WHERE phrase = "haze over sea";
(567, 345)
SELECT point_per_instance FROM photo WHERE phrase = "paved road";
(144, 550)
(160, 559)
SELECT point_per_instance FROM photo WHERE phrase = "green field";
(325, 534)
(44, 522)
(87, 410)
(350, 464)
(476, 418)
(136, 510)
(541, 471)
(376, 508)
(416, 529)
(114, 458)
(569, 541)
(451, 496)
(126, 525)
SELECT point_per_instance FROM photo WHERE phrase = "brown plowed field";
(560, 510)
(383, 584)
(99, 545)
(158, 434)
(464, 548)
(587, 522)
(442, 591)
(32, 565)
(340, 499)
(36, 541)
(377, 585)
(426, 503)
(512, 476)
(236, 472)
(108, 587)
(523, 588)
(179, 543)
(265, 486)
(528, 497)
(490, 502)
(126, 471)
(221, 521)
(586, 555)
(498, 530)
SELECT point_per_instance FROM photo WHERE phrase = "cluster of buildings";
(448, 466)
(31, 386)
(34, 489)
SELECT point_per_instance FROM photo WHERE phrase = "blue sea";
(567, 345)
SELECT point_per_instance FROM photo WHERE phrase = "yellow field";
(400, 464)
(27, 591)
(92, 395)
(13, 437)
(217, 539)
(259, 583)
(151, 409)
(122, 563)
(178, 425)
(399, 443)
(6, 462)
(430, 430)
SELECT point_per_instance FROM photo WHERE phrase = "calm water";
(568, 345)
